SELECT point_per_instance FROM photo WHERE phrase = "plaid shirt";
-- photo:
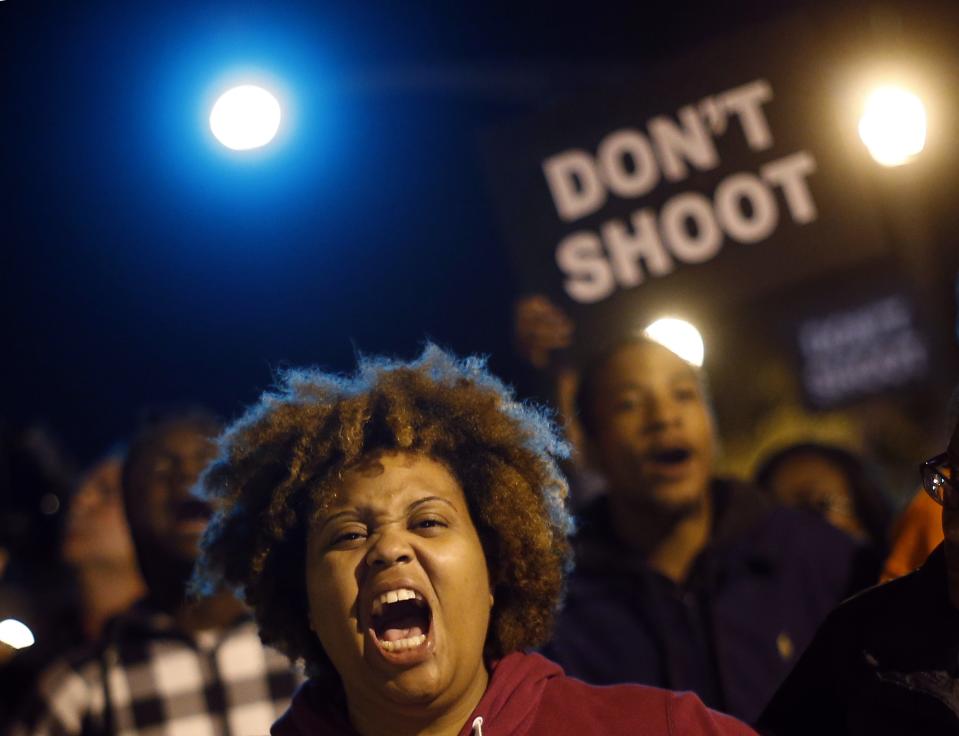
(148, 678)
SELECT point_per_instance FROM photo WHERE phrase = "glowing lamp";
(680, 337)
(893, 126)
(245, 117)
(15, 634)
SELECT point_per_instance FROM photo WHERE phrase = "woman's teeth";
(400, 620)
(393, 596)
(401, 645)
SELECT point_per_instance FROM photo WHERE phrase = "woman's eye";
(429, 524)
(347, 537)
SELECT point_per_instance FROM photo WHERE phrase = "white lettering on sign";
(581, 256)
(690, 228)
(873, 348)
(575, 184)
(627, 250)
(790, 173)
(746, 102)
(764, 213)
(676, 145)
(629, 166)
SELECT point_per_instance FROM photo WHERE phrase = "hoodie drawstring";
(477, 727)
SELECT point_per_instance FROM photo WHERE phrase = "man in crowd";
(168, 663)
(684, 580)
(885, 662)
(36, 586)
(98, 550)
(98, 547)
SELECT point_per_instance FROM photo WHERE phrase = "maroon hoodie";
(530, 696)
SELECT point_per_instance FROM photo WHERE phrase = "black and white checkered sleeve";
(257, 683)
(66, 700)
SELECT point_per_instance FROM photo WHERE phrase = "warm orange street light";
(679, 336)
(893, 125)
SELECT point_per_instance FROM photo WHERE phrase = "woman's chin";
(418, 685)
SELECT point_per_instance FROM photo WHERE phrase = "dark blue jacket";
(732, 631)
(885, 662)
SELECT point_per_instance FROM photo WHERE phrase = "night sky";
(142, 264)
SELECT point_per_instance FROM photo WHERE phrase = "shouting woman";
(403, 532)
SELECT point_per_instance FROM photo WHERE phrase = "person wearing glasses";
(887, 660)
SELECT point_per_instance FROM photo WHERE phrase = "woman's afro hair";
(279, 465)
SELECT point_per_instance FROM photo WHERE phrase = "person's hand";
(540, 327)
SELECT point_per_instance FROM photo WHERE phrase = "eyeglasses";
(939, 477)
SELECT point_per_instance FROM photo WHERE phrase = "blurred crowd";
(683, 579)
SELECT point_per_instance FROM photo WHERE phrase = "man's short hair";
(153, 423)
(588, 387)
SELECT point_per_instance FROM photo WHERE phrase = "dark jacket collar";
(935, 565)
(739, 511)
(933, 579)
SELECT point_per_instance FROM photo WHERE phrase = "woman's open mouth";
(400, 624)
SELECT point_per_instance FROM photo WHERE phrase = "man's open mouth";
(400, 620)
(670, 456)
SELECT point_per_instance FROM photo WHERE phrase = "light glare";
(15, 634)
(893, 126)
(245, 117)
(679, 336)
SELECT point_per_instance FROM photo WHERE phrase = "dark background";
(144, 264)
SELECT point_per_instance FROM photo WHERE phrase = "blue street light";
(245, 117)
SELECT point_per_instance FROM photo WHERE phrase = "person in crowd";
(916, 533)
(885, 662)
(168, 664)
(98, 547)
(404, 532)
(685, 580)
(37, 589)
(918, 530)
(833, 483)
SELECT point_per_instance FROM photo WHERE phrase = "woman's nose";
(389, 548)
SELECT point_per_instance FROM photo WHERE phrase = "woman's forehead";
(393, 478)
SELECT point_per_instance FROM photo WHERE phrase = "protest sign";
(707, 185)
